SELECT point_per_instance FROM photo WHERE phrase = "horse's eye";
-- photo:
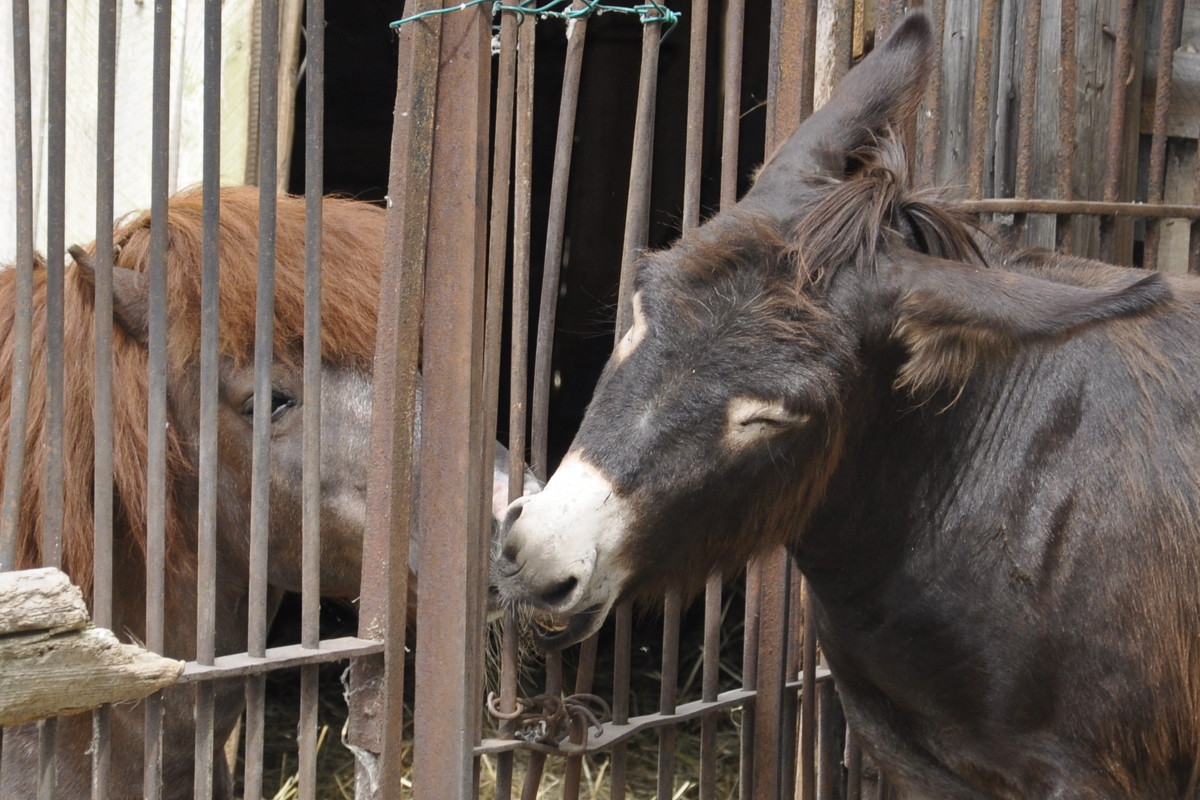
(280, 403)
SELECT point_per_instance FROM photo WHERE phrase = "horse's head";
(723, 411)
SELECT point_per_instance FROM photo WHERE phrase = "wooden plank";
(40, 599)
(54, 662)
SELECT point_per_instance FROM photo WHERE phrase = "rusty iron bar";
(584, 678)
(1006, 205)
(980, 105)
(1158, 139)
(616, 733)
(1068, 69)
(241, 665)
(1028, 96)
(694, 137)
(932, 119)
(668, 697)
(637, 206)
(377, 684)
(22, 331)
(47, 765)
(537, 760)
(750, 636)
(56, 180)
(731, 67)
(1122, 74)
(255, 730)
(102, 405)
(709, 682)
(794, 646)
(446, 713)
(264, 326)
(310, 630)
(519, 365)
(206, 545)
(622, 657)
(503, 169)
(808, 708)
(314, 139)
(555, 236)
(156, 413)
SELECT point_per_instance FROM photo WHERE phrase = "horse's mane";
(352, 242)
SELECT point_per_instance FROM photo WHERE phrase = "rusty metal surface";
(1027, 111)
(446, 711)
(1158, 142)
(731, 68)
(1004, 205)
(637, 206)
(931, 118)
(1122, 76)
(376, 721)
(10, 496)
(694, 137)
(555, 237)
(669, 691)
(709, 678)
(1068, 83)
(980, 96)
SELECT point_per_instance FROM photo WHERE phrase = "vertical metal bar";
(102, 406)
(669, 691)
(853, 767)
(447, 701)
(1122, 72)
(1158, 141)
(709, 679)
(622, 657)
(979, 98)
(1068, 69)
(735, 23)
(746, 778)
(310, 631)
(694, 144)
(637, 207)
(390, 509)
(1029, 67)
(156, 415)
(52, 497)
(555, 236)
(808, 708)
(519, 361)
(932, 119)
(584, 678)
(23, 323)
(264, 332)
(206, 547)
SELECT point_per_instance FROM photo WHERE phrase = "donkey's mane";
(351, 245)
(852, 218)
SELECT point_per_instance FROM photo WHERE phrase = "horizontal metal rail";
(239, 665)
(614, 734)
(1095, 208)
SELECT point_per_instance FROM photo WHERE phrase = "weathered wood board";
(54, 662)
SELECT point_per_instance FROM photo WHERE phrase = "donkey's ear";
(879, 94)
(131, 294)
(953, 316)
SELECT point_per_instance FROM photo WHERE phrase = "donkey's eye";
(748, 419)
(280, 403)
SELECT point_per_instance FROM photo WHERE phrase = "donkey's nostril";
(561, 591)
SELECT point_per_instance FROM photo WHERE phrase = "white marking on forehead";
(750, 419)
(637, 331)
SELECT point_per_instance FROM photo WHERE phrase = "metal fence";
(1068, 127)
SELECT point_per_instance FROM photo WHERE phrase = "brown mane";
(851, 218)
(352, 242)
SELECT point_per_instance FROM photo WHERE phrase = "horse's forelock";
(351, 250)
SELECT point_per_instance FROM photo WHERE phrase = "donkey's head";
(721, 414)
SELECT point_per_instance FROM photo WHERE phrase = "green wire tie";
(647, 12)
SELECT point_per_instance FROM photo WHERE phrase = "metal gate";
(1069, 127)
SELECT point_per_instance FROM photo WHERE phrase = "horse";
(985, 460)
(350, 255)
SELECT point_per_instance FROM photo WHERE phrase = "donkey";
(985, 461)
